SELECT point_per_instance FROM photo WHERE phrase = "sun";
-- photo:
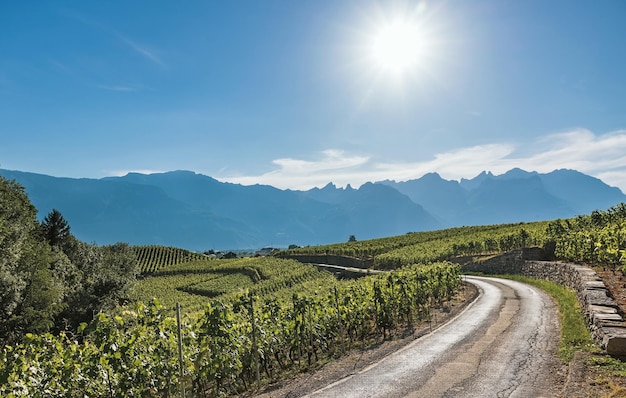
(397, 47)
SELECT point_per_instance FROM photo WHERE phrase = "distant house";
(266, 251)
(229, 255)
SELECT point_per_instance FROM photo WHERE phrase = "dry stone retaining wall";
(331, 259)
(603, 315)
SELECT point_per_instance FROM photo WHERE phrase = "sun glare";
(397, 47)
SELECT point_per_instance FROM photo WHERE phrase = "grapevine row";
(152, 258)
(134, 353)
(598, 238)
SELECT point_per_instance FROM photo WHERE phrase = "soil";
(616, 283)
(582, 377)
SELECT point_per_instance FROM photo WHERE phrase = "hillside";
(197, 212)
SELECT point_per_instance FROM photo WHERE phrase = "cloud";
(601, 156)
(141, 50)
(304, 174)
(117, 88)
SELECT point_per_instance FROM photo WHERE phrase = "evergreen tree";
(56, 230)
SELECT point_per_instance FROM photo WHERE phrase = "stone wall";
(603, 315)
(343, 261)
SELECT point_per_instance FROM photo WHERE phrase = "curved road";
(502, 345)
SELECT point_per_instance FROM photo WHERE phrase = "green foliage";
(426, 247)
(97, 278)
(193, 284)
(374, 247)
(17, 223)
(41, 298)
(153, 258)
(132, 352)
(29, 296)
(48, 279)
(599, 238)
(56, 230)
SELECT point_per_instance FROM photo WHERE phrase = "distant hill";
(197, 212)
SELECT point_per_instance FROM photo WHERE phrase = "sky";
(296, 94)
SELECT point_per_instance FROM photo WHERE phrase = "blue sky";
(296, 94)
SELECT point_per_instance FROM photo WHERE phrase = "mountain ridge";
(198, 212)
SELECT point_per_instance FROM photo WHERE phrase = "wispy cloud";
(141, 50)
(602, 156)
(117, 88)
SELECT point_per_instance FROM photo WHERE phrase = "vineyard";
(425, 247)
(598, 238)
(195, 283)
(153, 258)
(254, 320)
(135, 353)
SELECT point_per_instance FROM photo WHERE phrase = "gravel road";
(500, 346)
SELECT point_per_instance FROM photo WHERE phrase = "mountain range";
(197, 212)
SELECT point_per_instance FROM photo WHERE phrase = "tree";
(29, 296)
(96, 278)
(41, 299)
(56, 230)
(352, 238)
(49, 280)
(17, 219)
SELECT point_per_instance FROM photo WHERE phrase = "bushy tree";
(17, 221)
(96, 278)
(49, 280)
(29, 298)
(42, 297)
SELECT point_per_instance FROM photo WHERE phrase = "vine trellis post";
(180, 351)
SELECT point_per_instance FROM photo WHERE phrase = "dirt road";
(500, 346)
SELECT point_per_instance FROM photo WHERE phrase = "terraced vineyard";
(425, 247)
(153, 258)
(195, 283)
